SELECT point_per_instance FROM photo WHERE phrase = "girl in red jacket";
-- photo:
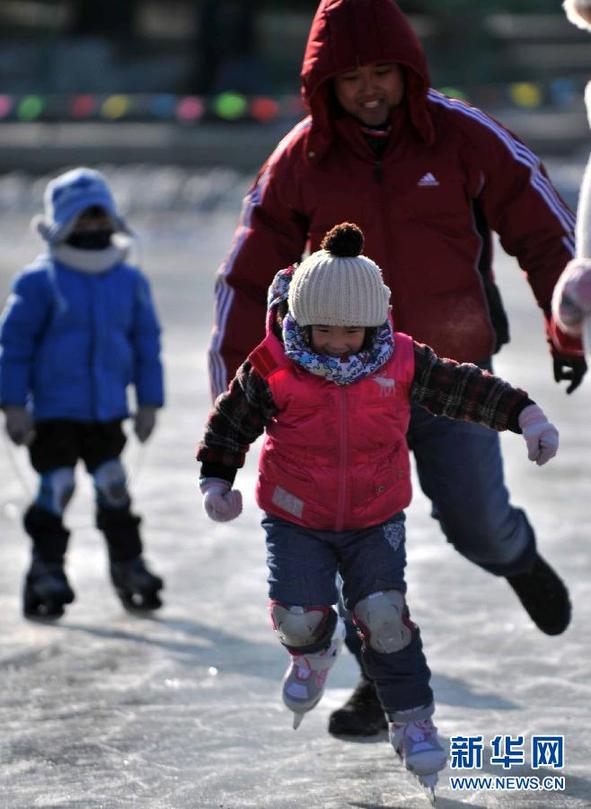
(331, 385)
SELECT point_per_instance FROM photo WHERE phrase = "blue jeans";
(460, 469)
(303, 564)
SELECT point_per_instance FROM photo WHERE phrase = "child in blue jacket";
(78, 328)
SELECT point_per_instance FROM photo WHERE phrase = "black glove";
(570, 369)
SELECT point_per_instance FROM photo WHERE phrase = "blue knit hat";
(68, 195)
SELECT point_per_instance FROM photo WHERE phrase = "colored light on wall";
(563, 91)
(163, 106)
(453, 92)
(82, 106)
(115, 107)
(264, 109)
(30, 107)
(525, 94)
(294, 105)
(190, 108)
(5, 106)
(230, 106)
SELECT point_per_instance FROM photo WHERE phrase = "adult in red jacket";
(427, 178)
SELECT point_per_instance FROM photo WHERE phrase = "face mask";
(90, 240)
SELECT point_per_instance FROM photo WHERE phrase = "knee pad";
(383, 621)
(305, 629)
(110, 484)
(56, 488)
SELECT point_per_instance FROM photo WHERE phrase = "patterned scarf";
(340, 370)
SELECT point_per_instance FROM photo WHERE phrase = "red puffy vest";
(335, 457)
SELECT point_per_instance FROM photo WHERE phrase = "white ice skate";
(305, 678)
(418, 746)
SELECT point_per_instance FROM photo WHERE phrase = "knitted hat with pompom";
(337, 285)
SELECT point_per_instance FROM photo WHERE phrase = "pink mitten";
(540, 435)
(220, 501)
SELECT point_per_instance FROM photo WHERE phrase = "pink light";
(5, 106)
(190, 108)
(295, 105)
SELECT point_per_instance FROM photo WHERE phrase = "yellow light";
(115, 106)
(526, 94)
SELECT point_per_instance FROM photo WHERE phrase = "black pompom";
(343, 240)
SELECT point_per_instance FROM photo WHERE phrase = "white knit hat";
(336, 286)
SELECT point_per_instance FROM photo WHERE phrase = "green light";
(453, 92)
(30, 107)
(230, 106)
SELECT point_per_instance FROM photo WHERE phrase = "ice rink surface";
(104, 710)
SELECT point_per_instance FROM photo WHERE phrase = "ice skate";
(305, 678)
(418, 747)
(135, 585)
(46, 591)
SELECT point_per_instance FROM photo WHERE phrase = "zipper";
(93, 347)
(342, 473)
(387, 235)
(377, 171)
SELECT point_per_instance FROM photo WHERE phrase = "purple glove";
(540, 436)
(571, 301)
(144, 422)
(221, 502)
(19, 425)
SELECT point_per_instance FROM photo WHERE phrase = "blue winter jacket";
(71, 342)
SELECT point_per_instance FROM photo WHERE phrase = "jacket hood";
(348, 33)
(67, 196)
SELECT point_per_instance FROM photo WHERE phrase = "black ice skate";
(135, 585)
(361, 715)
(46, 591)
(544, 597)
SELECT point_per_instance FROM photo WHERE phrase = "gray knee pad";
(382, 618)
(56, 488)
(305, 628)
(110, 484)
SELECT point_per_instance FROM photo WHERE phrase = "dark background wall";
(255, 46)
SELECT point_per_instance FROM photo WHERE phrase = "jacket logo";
(386, 384)
(428, 180)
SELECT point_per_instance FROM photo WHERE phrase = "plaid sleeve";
(239, 416)
(464, 391)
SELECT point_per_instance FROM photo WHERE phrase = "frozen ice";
(104, 710)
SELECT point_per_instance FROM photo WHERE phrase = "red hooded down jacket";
(449, 174)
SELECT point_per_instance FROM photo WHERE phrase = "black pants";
(62, 443)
